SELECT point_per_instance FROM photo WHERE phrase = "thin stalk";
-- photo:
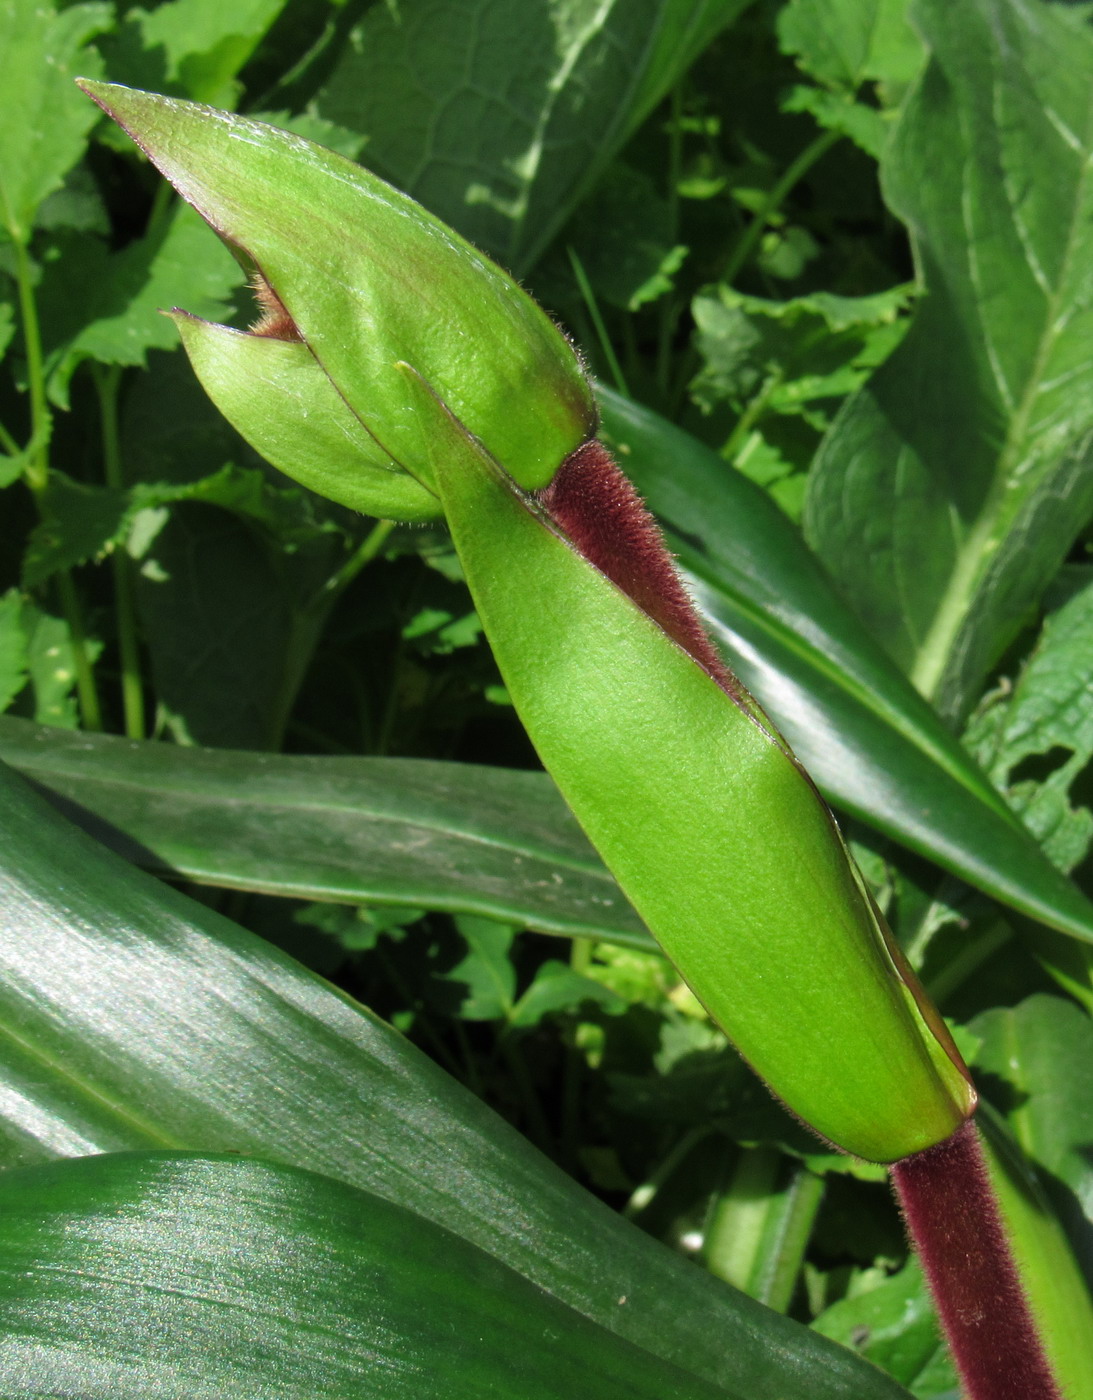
(597, 320)
(107, 384)
(8, 443)
(669, 310)
(776, 197)
(753, 411)
(308, 623)
(644, 1195)
(954, 1220)
(759, 1228)
(36, 472)
(969, 960)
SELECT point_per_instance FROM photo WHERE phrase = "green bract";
(707, 821)
(369, 278)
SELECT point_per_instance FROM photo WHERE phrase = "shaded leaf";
(1048, 713)
(105, 306)
(845, 43)
(13, 647)
(1036, 1064)
(895, 1326)
(499, 117)
(557, 987)
(44, 120)
(975, 435)
(181, 1030)
(149, 1276)
(487, 973)
(486, 841)
(875, 747)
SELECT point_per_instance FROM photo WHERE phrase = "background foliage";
(829, 260)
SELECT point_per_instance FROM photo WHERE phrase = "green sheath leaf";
(711, 828)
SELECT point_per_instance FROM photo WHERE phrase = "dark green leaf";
(951, 487)
(485, 841)
(1049, 713)
(105, 306)
(874, 746)
(557, 987)
(499, 117)
(44, 119)
(150, 1277)
(131, 1017)
(1036, 1065)
(844, 43)
(13, 647)
(895, 1326)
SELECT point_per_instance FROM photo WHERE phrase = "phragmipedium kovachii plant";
(397, 370)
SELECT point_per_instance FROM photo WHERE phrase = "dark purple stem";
(953, 1219)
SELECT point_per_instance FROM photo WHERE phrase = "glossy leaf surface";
(976, 435)
(719, 840)
(218, 1277)
(874, 746)
(131, 1017)
(426, 834)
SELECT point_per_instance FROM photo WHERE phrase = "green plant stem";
(970, 958)
(753, 411)
(37, 467)
(597, 321)
(8, 443)
(669, 310)
(37, 479)
(745, 245)
(107, 384)
(644, 1195)
(758, 1230)
(308, 622)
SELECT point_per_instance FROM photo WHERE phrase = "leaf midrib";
(932, 656)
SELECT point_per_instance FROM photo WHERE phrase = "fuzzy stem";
(953, 1218)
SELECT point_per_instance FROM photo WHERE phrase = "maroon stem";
(953, 1219)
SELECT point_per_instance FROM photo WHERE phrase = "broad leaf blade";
(131, 1017)
(952, 485)
(410, 832)
(43, 120)
(149, 1277)
(499, 117)
(875, 747)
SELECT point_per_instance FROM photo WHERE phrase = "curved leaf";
(131, 1017)
(951, 486)
(145, 1276)
(872, 743)
(499, 117)
(411, 832)
(708, 823)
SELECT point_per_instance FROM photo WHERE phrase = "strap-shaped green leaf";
(132, 1017)
(148, 1277)
(715, 834)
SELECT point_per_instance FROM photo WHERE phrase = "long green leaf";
(150, 1277)
(951, 487)
(499, 116)
(872, 743)
(412, 832)
(131, 1017)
